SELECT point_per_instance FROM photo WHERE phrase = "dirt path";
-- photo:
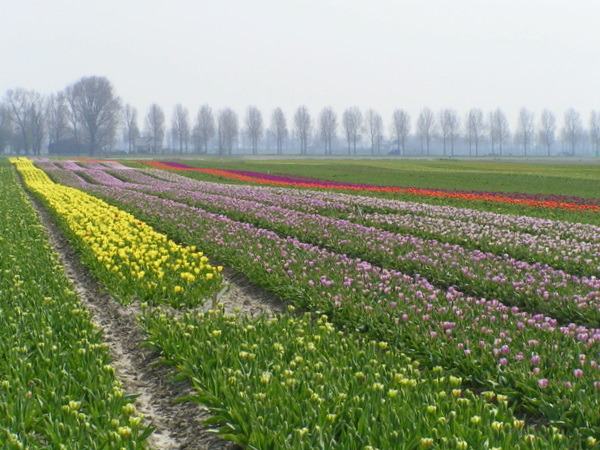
(178, 425)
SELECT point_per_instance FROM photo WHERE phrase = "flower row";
(346, 392)
(566, 248)
(342, 205)
(331, 202)
(535, 286)
(562, 202)
(128, 256)
(57, 387)
(577, 257)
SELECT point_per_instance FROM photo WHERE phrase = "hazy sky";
(381, 54)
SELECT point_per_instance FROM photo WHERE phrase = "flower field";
(570, 203)
(425, 325)
(566, 297)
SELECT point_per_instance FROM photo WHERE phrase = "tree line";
(87, 117)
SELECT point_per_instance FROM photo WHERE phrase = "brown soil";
(179, 425)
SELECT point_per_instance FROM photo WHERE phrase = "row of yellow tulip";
(128, 256)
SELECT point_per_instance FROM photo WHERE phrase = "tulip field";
(410, 324)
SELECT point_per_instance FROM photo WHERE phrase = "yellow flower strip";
(133, 260)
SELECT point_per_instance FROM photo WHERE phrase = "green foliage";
(295, 382)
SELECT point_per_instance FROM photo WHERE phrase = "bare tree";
(97, 109)
(132, 131)
(18, 104)
(400, 128)
(374, 128)
(328, 127)
(180, 126)
(475, 129)
(426, 127)
(595, 131)
(204, 128)
(5, 128)
(547, 129)
(254, 127)
(525, 131)
(449, 124)
(499, 130)
(228, 130)
(279, 128)
(27, 112)
(72, 116)
(302, 126)
(491, 128)
(37, 121)
(57, 121)
(352, 124)
(572, 129)
(155, 126)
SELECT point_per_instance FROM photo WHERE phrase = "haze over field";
(382, 54)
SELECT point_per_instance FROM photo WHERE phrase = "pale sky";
(381, 54)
